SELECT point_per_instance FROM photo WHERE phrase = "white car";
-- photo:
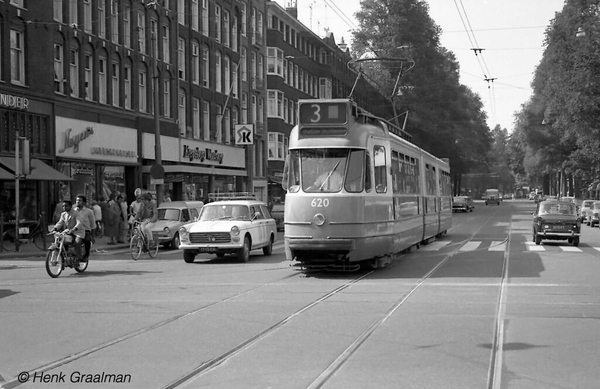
(229, 226)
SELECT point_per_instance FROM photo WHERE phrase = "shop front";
(101, 159)
(193, 169)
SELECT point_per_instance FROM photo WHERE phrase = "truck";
(492, 196)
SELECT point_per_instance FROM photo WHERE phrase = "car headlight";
(235, 230)
(167, 230)
(183, 233)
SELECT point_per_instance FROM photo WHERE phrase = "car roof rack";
(231, 196)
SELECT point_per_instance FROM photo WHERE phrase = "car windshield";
(557, 209)
(587, 204)
(460, 198)
(168, 214)
(224, 211)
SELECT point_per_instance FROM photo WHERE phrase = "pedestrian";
(104, 208)
(123, 222)
(113, 213)
(98, 216)
(85, 216)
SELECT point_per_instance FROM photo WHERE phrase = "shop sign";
(11, 101)
(206, 154)
(95, 141)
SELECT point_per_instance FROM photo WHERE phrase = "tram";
(358, 192)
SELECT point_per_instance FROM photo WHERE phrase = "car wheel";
(188, 256)
(268, 249)
(538, 240)
(243, 253)
(175, 242)
(576, 241)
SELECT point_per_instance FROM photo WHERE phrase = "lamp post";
(157, 146)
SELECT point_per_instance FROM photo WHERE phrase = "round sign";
(157, 171)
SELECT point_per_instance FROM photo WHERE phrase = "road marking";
(434, 246)
(571, 249)
(470, 246)
(536, 248)
(497, 246)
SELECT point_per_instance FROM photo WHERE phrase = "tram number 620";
(319, 203)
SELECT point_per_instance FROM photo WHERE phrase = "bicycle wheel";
(38, 241)
(8, 240)
(54, 263)
(135, 246)
(152, 251)
(81, 266)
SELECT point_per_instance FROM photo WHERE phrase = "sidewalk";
(29, 250)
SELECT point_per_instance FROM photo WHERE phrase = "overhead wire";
(478, 51)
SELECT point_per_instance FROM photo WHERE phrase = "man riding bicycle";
(148, 215)
(69, 223)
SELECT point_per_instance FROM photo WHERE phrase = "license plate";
(207, 249)
(23, 230)
(558, 227)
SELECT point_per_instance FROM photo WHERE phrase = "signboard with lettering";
(79, 139)
(244, 134)
(323, 112)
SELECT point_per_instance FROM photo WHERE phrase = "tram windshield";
(326, 170)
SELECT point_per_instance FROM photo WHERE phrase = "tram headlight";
(319, 219)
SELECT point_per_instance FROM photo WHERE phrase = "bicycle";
(29, 231)
(139, 243)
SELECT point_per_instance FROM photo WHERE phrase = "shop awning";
(39, 170)
(5, 175)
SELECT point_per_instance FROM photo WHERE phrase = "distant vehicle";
(594, 214)
(278, 211)
(586, 211)
(492, 196)
(237, 225)
(462, 203)
(556, 220)
(508, 196)
(171, 216)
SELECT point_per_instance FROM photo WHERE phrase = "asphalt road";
(483, 307)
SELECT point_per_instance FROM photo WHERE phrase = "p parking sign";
(244, 134)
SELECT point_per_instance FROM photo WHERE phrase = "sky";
(510, 32)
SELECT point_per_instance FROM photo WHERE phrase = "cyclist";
(69, 223)
(88, 222)
(148, 215)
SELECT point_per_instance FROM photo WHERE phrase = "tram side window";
(368, 184)
(356, 172)
(380, 169)
(291, 173)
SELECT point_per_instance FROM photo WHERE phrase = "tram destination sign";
(323, 112)
(312, 132)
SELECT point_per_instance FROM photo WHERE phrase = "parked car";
(462, 203)
(594, 214)
(229, 226)
(585, 210)
(556, 220)
(277, 211)
(171, 216)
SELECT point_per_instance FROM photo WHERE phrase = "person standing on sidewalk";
(113, 216)
(123, 216)
(85, 216)
(98, 216)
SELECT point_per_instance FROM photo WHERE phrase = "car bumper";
(207, 248)
(550, 234)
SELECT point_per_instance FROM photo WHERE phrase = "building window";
(59, 78)
(57, 12)
(102, 80)
(275, 102)
(101, 19)
(17, 57)
(182, 114)
(127, 86)
(227, 125)
(73, 17)
(254, 109)
(206, 119)
(243, 64)
(115, 84)
(181, 58)
(141, 26)
(219, 125)
(195, 63)
(154, 38)
(244, 108)
(89, 76)
(243, 13)
(275, 61)
(205, 20)
(87, 15)
(167, 97)
(205, 67)
(217, 23)
(195, 15)
(226, 29)
(126, 25)
(218, 72)
(277, 144)
(181, 12)
(143, 96)
(166, 43)
(234, 37)
(227, 74)
(114, 20)
(234, 81)
(74, 72)
(195, 118)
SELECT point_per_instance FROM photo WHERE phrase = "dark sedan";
(556, 220)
